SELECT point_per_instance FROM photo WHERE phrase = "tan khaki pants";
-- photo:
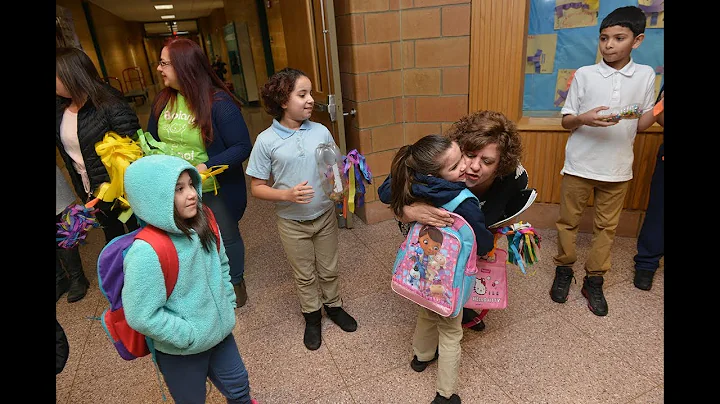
(574, 195)
(312, 250)
(435, 331)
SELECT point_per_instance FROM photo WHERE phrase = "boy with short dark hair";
(599, 153)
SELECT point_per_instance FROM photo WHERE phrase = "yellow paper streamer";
(212, 172)
(351, 196)
(116, 153)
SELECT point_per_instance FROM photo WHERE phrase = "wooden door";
(311, 44)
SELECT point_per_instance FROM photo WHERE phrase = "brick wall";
(404, 66)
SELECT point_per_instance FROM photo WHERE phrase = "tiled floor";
(535, 351)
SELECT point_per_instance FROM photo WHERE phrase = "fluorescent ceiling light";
(167, 17)
(164, 7)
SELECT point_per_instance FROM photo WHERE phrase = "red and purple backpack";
(129, 343)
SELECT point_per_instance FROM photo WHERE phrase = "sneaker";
(643, 279)
(419, 366)
(592, 290)
(561, 285)
(454, 399)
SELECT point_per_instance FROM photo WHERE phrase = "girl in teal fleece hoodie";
(191, 330)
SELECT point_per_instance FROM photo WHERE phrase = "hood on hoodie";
(150, 188)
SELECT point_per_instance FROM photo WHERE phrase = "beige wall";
(81, 28)
(246, 11)
(277, 36)
(120, 41)
(214, 29)
(404, 66)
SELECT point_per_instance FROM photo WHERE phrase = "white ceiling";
(143, 10)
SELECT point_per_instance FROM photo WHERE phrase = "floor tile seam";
(365, 379)
(268, 324)
(130, 368)
(608, 350)
(634, 399)
(82, 350)
(339, 372)
(365, 245)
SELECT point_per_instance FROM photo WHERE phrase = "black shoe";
(419, 366)
(78, 288)
(468, 316)
(312, 337)
(454, 399)
(643, 279)
(592, 290)
(62, 285)
(341, 318)
(479, 326)
(62, 282)
(561, 285)
(240, 294)
(71, 262)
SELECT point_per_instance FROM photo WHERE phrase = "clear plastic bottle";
(632, 111)
(329, 163)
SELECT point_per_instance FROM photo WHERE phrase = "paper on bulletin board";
(658, 84)
(655, 11)
(576, 13)
(564, 79)
(540, 56)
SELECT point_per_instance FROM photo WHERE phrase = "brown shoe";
(240, 294)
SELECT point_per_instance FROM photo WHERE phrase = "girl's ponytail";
(401, 176)
(419, 158)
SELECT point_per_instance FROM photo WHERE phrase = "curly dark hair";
(277, 89)
(481, 128)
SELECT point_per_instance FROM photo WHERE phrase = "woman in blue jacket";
(199, 120)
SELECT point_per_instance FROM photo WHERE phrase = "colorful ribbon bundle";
(116, 153)
(355, 169)
(523, 244)
(75, 222)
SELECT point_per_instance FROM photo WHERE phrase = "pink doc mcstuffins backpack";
(435, 267)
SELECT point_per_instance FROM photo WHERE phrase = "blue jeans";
(185, 375)
(232, 240)
(651, 240)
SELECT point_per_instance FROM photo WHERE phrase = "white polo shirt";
(289, 157)
(606, 154)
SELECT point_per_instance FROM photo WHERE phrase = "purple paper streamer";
(653, 10)
(536, 59)
(561, 8)
(562, 96)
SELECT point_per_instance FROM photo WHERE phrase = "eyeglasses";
(163, 63)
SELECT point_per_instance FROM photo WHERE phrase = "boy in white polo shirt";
(306, 220)
(599, 153)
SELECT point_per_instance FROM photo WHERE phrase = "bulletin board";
(563, 35)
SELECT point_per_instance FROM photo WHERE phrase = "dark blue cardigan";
(230, 145)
